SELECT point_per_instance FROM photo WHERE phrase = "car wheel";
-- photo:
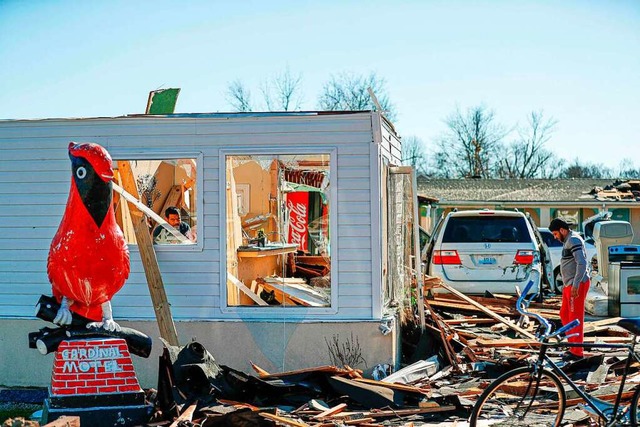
(557, 281)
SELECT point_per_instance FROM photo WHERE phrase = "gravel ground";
(28, 400)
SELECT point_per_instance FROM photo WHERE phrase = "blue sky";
(578, 61)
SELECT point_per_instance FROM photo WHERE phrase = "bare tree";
(526, 157)
(413, 154)
(470, 145)
(239, 96)
(587, 170)
(627, 169)
(283, 92)
(350, 92)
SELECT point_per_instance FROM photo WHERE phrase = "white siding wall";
(390, 145)
(35, 180)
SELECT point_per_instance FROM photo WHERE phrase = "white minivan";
(479, 251)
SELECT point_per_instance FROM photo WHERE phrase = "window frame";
(279, 312)
(133, 155)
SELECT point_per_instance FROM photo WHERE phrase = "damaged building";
(292, 253)
(574, 200)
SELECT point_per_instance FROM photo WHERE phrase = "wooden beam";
(331, 411)
(283, 420)
(238, 284)
(487, 311)
(517, 343)
(474, 321)
(64, 421)
(149, 260)
(446, 345)
(187, 415)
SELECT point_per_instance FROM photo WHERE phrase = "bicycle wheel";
(635, 409)
(520, 398)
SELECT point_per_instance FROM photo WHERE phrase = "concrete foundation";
(274, 346)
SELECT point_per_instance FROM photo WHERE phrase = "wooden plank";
(458, 305)
(149, 260)
(292, 294)
(358, 421)
(487, 311)
(508, 301)
(354, 373)
(283, 420)
(299, 289)
(282, 297)
(331, 411)
(187, 415)
(238, 284)
(65, 421)
(471, 321)
(603, 322)
(405, 412)
(365, 394)
(446, 345)
(174, 198)
(394, 386)
(512, 342)
(261, 372)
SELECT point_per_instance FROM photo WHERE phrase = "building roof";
(528, 190)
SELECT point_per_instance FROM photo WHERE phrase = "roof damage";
(528, 190)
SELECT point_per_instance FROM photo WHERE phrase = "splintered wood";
(484, 325)
(467, 342)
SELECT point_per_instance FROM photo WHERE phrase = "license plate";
(487, 260)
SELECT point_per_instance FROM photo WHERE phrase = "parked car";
(555, 251)
(485, 250)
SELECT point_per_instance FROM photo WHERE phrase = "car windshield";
(473, 229)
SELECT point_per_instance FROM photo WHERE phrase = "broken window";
(278, 234)
(168, 195)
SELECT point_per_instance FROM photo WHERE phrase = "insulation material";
(400, 216)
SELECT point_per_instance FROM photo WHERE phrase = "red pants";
(573, 308)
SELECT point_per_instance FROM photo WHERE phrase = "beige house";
(544, 199)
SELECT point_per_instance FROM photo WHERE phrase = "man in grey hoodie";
(575, 276)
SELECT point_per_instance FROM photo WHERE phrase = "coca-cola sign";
(298, 206)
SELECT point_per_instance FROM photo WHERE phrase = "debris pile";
(194, 390)
(618, 190)
(466, 342)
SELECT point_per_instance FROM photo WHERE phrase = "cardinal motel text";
(92, 359)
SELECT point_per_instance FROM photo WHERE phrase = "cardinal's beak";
(107, 176)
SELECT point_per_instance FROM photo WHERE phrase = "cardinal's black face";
(94, 192)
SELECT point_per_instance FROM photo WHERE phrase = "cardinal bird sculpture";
(88, 258)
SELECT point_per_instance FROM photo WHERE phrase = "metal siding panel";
(349, 186)
(35, 176)
(355, 207)
(354, 231)
(49, 188)
(355, 279)
(355, 172)
(356, 302)
(8, 254)
(353, 161)
(355, 219)
(348, 197)
(195, 294)
(355, 254)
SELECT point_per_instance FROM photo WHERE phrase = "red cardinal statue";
(88, 259)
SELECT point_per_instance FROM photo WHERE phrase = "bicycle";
(534, 395)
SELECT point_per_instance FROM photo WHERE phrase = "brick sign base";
(95, 380)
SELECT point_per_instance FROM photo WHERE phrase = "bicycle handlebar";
(565, 328)
(523, 303)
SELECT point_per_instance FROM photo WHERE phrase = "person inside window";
(181, 232)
